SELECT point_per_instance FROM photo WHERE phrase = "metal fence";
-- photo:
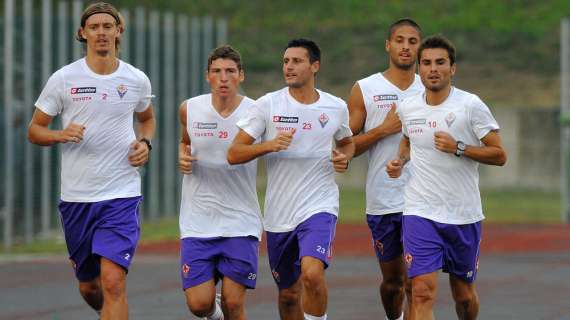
(37, 39)
(565, 117)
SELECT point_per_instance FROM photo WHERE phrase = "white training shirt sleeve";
(51, 98)
(344, 129)
(253, 123)
(146, 94)
(481, 118)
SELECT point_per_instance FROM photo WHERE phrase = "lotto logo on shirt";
(416, 122)
(285, 119)
(385, 97)
(83, 90)
(205, 125)
(385, 101)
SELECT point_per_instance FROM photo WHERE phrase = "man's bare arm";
(243, 149)
(492, 152)
(39, 132)
(357, 115)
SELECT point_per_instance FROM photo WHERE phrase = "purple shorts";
(107, 229)
(202, 259)
(386, 235)
(312, 238)
(430, 246)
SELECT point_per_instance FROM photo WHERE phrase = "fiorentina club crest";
(379, 247)
(408, 259)
(185, 270)
(275, 276)
(449, 119)
(121, 90)
(323, 119)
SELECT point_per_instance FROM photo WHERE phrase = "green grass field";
(500, 206)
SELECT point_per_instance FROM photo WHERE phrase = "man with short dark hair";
(372, 104)
(97, 97)
(297, 125)
(447, 133)
(220, 220)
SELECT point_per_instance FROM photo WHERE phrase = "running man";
(297, 125)
(96, 97)
(447, 133)
(220, 220)
(378, 130)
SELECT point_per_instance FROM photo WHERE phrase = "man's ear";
(316, 66)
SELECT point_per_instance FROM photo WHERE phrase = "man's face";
(224, 77)
(436, 70)
(402, 47)
(101, 32)
(297, 68)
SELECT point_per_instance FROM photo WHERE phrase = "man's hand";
(339, 160)
(138, 154)
(392, 123)
(394, 168)
(444, 142)
(185, 159)
(73, 133)
(282, 141)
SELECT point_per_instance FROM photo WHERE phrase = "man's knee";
(289, 297)
(422, 292)
(90, 289)
(199, 306)
(313, 276)
(113, 283)
(92, 293)
(394, 284)
(233, 304)
(465, 297)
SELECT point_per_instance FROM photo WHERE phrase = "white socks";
(310, 317)
(217, 314)
(399, 318)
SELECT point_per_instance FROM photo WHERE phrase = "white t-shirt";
(384, 195)
(218, 200)
(97, 168)
(300, 179)
(443, 187)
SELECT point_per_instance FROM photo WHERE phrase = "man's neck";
(435, 98)
(102, 64)
(226, 106)
(401, 78)
(306, 94)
